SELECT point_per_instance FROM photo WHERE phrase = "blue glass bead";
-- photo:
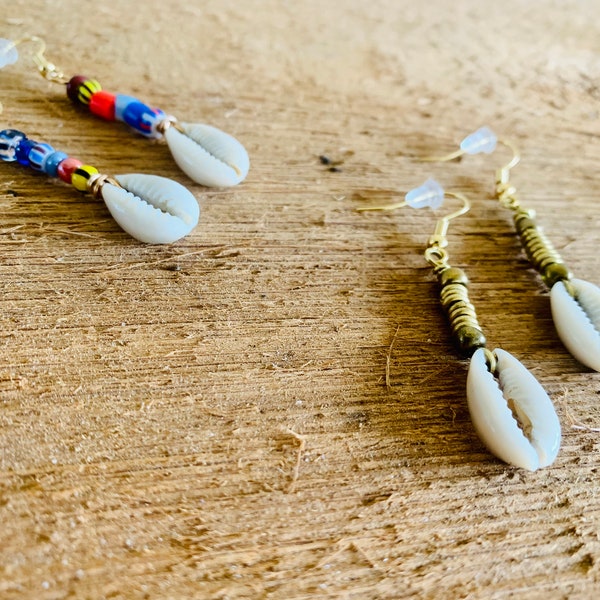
(52, 162)
(22, 152)
(9, 140)
(138, 115)
(38, 155)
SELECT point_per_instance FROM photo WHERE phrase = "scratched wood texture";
(211, 419)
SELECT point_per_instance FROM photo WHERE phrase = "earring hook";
(47, 69)
(435, 253)
(431, 194)
(483, 140)
(439, 237)
(505, 192)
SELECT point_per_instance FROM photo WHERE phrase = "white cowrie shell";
(152, 209)
(496, 404)
(577, 319)
(207, 154)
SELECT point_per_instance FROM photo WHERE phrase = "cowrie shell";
(207, 154)
(577, 319)
(152, 209)
(495, 404)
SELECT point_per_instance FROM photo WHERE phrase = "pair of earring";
(150, 208)
(575, 303)
(510, 410)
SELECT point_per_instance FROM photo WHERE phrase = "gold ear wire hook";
(439, 238)
(47, 70)
(506, 192)
(482, 140)
(503, 173)
(435, 253)
(448, 157)
(383, 207)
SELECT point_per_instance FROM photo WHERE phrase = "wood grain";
(211, 419)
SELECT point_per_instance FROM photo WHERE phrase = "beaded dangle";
(511, 412)
(206, 154)
(152, 209)
(575, 303)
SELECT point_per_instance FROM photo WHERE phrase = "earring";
(152, 209)
(575, 303)
(511, 412)
(206, 154)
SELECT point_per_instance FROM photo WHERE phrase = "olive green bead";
(453, 275)
(469, 339)
(556, 272)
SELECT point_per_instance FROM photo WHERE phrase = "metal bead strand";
(462, 317)
(540, 251)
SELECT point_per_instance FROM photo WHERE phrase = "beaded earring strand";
(204, 153)
(152, 209)
(575, 303)
(511, 412)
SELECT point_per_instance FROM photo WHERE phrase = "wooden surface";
(211, 419)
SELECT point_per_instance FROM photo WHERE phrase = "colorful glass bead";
(138, 115)
(206, 154)
(38, 155)
(9, 140)
(81, 88)
(52, 162)
(81, 175)
(152, 209)
(22, 151)
(102, 104)
(67, 167)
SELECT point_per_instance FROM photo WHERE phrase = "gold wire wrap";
(491, 360)
(454, 297)
(538, 248)
(97, 181)
(167, 122)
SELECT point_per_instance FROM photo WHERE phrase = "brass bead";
(523, 222)
(556, 272)
(453, 275)
(469, 339)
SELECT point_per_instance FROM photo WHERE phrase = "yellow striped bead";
(81, 88)
(81, 175)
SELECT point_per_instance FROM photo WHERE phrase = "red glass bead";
(66, 168)
(103, 104)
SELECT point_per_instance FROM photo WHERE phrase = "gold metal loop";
(47, 70)
(491, 360)
(97, 181)
(437, 257)
(169, 121)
